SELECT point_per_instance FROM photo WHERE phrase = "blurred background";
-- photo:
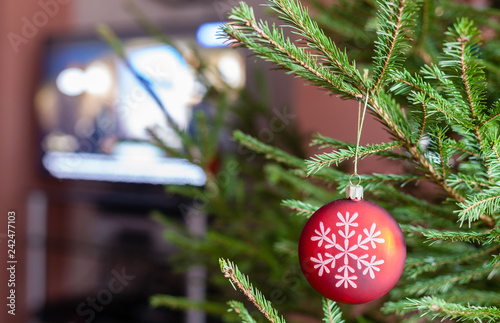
(73, 163)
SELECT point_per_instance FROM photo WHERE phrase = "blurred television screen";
(94, 113)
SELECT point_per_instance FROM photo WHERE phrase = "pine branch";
(327, 142)
(437, 308)
(241, 281)
(271, 44)
(444, 283)
(324, 160)
(270, 152)
(472, 76)
(301, 208)
(392, 37)
(276, 173)
(242, 312)
(468, 182)
(376, 181)
(443, 159)
(388, 192)
(464, 148)
(419, 157)
(280, 156)
(328, 175)
(492, 161)
(331, 312)
(491, 119)
(415, 267)
(451, 236)
(424, 119)
(404, 83)
(478, 205)
(474, 296)
(462, 53)
(184, 303)
(295, 14)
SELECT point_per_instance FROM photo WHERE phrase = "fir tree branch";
(463, 67)
(497, 155)
(327, 142)
(277, 173)
(272, 45)
(438, 308)
(452, 236)
(441, 156)
(474, 296)
(302, 208)
(324, 160)
(397, 28)
(184, 303)
(477, 206)
(241, 281)
(472, 76)
(390, 192)
(471, 182)
(294, 13)
(280, 156)
(415, 267)
(241, 311)
(424, 119)
(391, 40)
(331, 312)
(269, 151)
(375, 181)
(465, 150)
(405, 82)
(444, 283)
(492, 118)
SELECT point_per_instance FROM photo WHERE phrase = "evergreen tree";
(437, 100)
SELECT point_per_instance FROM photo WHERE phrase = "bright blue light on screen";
(100, 167)
(208, 35)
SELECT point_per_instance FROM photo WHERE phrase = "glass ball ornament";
(351, 250)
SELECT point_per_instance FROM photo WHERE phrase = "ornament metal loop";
(350, 179)
(354, 191)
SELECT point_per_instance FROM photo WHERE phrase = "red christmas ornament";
(351, 250)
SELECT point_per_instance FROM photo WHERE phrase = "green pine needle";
(271, 44)
(242, 282)
(445, 283)
(301, 208)
(476, 205)
(434, 235)
(331, 312)
(270, 152)
(436, 308)
(319, 161)
(242, 312)
(395, 19)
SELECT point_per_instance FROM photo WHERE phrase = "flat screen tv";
(94, 112)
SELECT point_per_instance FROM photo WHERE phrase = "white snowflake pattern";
(348, 258)
(371, 266)
(322, 264)
(321, 235)
(371, 236)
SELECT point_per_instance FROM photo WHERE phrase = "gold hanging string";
(361, 119)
